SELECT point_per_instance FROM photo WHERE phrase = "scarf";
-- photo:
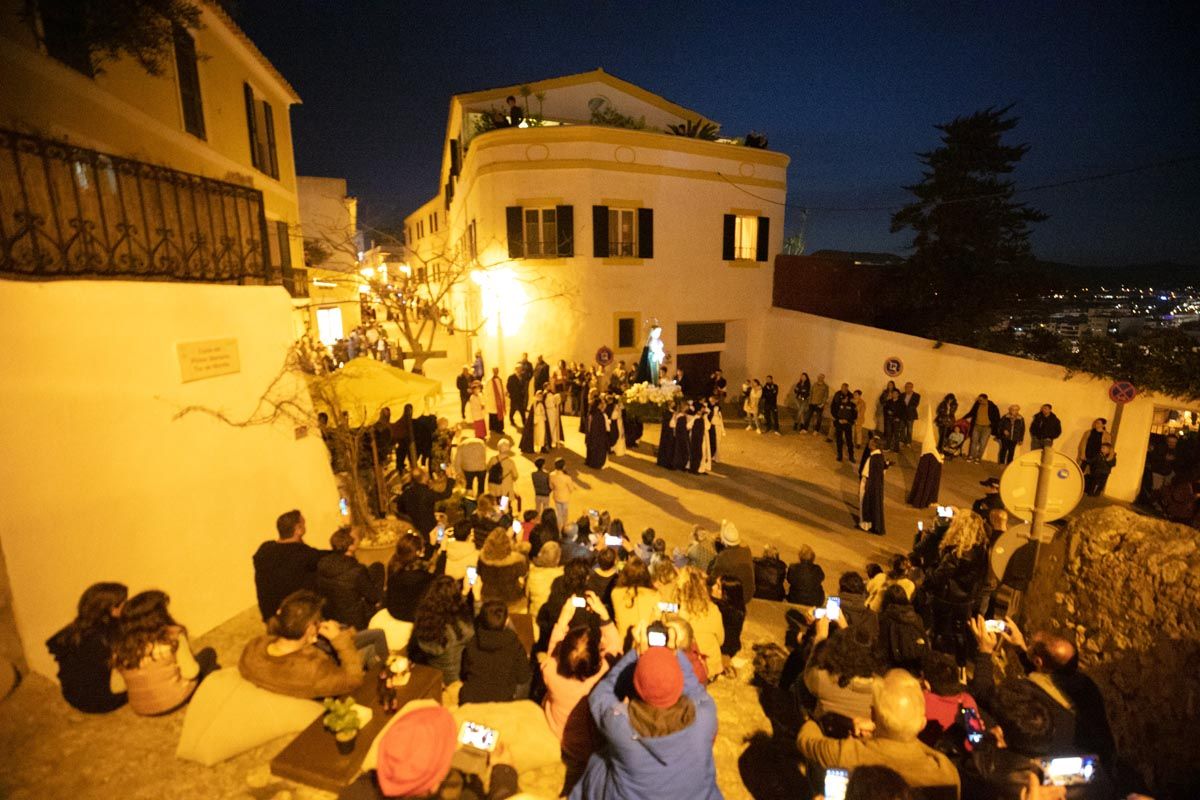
(650, 722)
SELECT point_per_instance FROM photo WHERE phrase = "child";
(541, 485)
(561, 487)
(944, 695)
(529, 521)
(1097, 469)
(645, 550)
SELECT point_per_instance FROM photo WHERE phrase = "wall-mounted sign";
(1122, 392)
(893, 367)
(604, 356)
(207, 359)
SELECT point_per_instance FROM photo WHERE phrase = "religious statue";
(652, 357)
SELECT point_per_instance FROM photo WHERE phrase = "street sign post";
(1019, 485)
(1121, 392)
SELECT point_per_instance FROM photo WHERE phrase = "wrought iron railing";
(70, 212)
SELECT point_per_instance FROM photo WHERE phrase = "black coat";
(350, 594)
(83, 670)
(666, 442)
(680, 453)
(993, 411)
(417, 503)
(1045, 426)
(872, 500)
(405, 590)
(768, 578)
(1011, 430)
(805, 584)
(281, 568)
(494, 665)
(696, 444)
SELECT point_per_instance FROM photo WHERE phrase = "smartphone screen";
(441, 532)
(669, 608)
(973, 726)
(835, 783)
(818, 613)
(472, 574)
(1068, 770)
(920, 526)
(344, 506)
(443, 467)
(612, 541)
(478, 736)
(833, 607)
(994, 625)
(504, 503)
(516, 526)
(656, 638)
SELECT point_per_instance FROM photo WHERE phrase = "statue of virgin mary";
(652, 357)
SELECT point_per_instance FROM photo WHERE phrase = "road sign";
(1011, 542)
(604, 356)
(1122, 392)
(1018, 486)
(892, 367)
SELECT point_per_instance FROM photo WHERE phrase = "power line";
(974, 198)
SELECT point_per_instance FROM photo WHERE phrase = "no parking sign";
(893, 366)
(1122, 392)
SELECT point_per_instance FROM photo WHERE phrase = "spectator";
(495, 666)
(502, 571)
(752, 407)
(897, 574)
(351, 594)
(288, 661)
(153, 658)
(685, 642)
(728, 595)
(665, 575)
(415, 756)
(547, 530)
(839, 675)
(284, 566)
(441, 629)
(604, 575)
(418, 500)
(818, 396)
(1011, 433)
(702, 614)
(1044, 428)
(984, 418)
(945, 696)
(575, 663)
(879, 783)
(645, 550)
(486, 518)
(573, 545)
(408, 578)
(460, 551)
(470, 461)
(902, 639)
(805, 579)
(945, 417)
(769, 571)
(957, 581)
(543, 571)
(573, 582)
(700, 552)
(990, 500)
(561, 487)
(658, 739)
(502, 473)
(852, 592)
(889, 738)
(1092, 439)
(634, 598)
(733, 558)
(83, 650)
(541, 485)
(1098, 468)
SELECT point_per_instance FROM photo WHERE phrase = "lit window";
(541, 232)
(622, 232)
(745, 237)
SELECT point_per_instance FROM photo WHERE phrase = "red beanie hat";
(657, 677)
(414, 755)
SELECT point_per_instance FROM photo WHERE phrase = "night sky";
(849, 90)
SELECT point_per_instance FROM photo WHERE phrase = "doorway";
(697, 368)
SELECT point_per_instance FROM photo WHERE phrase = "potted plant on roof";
(342, 720)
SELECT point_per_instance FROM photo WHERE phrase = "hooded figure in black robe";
(585, 403)
(633, 429)
(870, 489)
(710, 411)
(666, 440)
(696, 440)
(681, 455)
(596, 439)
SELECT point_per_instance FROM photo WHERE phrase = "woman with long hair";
(697, 608)
(502, 570)
(154, 658)
(441, 629)
(896, 574)
(955, 583)
(83, 649)
(730, 598)
(665, 576)
(542, 574)
(634, 597)
(880, 417)
(944, 417)
(287, 660)
(408, 577)
(841, 672)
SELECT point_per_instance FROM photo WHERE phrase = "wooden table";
(312, 758)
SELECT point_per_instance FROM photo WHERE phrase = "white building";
(583, 232)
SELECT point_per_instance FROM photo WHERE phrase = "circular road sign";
(1122, 392)
(604, 356)
(893, 366)
(1018, 486)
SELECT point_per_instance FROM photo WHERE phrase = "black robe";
(681, 457)
(712, 436)
(633, 429)
(926, 482)
(596, 439)
(613, 432)
(526, 443)
(871, 507)
(696, 443)
(666, 442)
(584, 411)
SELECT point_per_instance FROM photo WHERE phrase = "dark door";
(697, 368)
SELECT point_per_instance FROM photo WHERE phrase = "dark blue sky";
(849, 90)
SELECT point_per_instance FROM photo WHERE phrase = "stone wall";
(1128, 593)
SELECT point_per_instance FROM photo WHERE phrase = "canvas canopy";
(365, 386)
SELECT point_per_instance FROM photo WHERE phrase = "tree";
(968, 226)
(108, 30)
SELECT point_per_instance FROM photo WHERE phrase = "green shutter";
(566, 230)
(645, 232)
(455, 158)
(269, 121)
(730, 229)
(763, 239)
(251, 125)
(189, 82)
(600, 231)
(516, 231)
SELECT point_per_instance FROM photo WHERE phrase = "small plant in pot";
(342, 721)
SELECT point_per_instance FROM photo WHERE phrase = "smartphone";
(835, 783)
(443, 467)
(504, 503)
(478, 736)
(656, 638)
(516, 526)
(973, 725)
(920, 526)
(668, 608)
(818, 613)
(441, 532)
(593, 512)
(344, 505)
(579, 602)
(472, 574)
(1068, 770)
(995, 625)
(833, 607)
(612, 541)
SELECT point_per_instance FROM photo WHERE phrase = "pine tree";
(967, 225)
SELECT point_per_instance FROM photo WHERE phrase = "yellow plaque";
(208, 359)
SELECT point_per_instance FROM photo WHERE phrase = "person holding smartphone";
(502, 570)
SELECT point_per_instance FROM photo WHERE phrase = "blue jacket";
(628, 767)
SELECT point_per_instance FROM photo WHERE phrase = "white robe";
(475, 411)
(539, 427)
(619, 447)
(717, 421)
(705, 451)
(553, 417)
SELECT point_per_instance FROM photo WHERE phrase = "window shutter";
(727, 237)
(763, 239)
(600, 231)
(455, 158)
(516, 231)
(645, 233)
(566, 230)
(189, 82)
(251, 125)
(285, 250)
(272, 159)
(449, 194)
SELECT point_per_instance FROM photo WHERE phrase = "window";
(622, 232)
(699, 333)
(260, 121)
(433, 222)
(64, 35)
(540, 232)
(189, 83)
(745, 237)
(329, 325)
(472, 242)
(626, 332)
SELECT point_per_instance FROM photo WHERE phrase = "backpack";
(495, 474)
(906, 643)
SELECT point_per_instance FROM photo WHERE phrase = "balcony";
(70, 212)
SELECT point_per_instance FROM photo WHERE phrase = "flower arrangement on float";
(647, 400)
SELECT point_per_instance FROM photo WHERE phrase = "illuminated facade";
(583, 232)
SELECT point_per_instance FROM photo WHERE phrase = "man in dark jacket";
(463, 384)
(912, 404)
(805, 579)
(1011, 433)
(352, 596)
(417, 502)
(770, 405)
(769, 571)
(985, 418)
(517, 399)
(844, 414)
(541, 375)
(495, 666)
(733, 558)
(286, 565)
(1044, 428)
